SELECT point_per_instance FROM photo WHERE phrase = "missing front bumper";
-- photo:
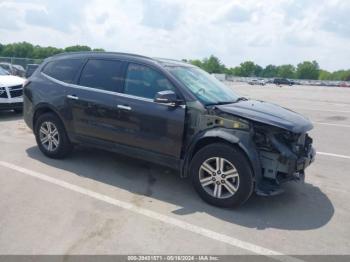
(277, 170)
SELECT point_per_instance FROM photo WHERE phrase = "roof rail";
(168, 59)
(101, 52)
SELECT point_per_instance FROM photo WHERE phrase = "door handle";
(74, 97)
(124, 107)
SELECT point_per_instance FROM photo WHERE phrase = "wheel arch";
(43, 109)
(240, 140)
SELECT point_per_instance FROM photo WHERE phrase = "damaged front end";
(280, 139)
(274, 139)
(284, 155)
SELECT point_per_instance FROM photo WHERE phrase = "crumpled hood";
(9, 80)
(270, 114)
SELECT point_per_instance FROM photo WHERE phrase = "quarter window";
(145, 82)
(64, 70)
(102, 74)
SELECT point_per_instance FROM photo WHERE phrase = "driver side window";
(145, 82)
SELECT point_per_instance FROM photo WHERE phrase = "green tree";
(308, 70)
(77, 48)
(286, 71)
(341, 75)
(270, 71)
(247, 69)
(27, 50)
(196, 62)
(98, 50)
(258, 70)
(213, 65)
(229, 71)
(22, 49)
(237, 71)
(43, 52)
(325, 75)
(305, 70)
(347, 76)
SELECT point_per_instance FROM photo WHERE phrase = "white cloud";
(160, 14)
(265, 31)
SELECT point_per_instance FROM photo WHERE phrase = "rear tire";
(221, 175)
(51, 136)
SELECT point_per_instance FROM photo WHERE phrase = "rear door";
(93, 101)
(145, 124)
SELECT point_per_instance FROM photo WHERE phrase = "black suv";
(171, 113)
(283, 81)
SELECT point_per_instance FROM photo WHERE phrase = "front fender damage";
(276, 155)
(241, 138)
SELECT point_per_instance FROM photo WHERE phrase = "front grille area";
(3, 93)
(300, 144)
(16, 91)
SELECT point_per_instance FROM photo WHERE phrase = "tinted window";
(145, 82)
(102, 74)
(63, 70)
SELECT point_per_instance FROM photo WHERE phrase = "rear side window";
(145, 82)
(102, 74)
(64, 70)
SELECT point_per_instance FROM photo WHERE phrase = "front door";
(148, 125)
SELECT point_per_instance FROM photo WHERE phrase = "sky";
(263, 31)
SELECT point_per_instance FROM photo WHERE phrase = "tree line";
(305, 70)
(27, 50)
(212, 64)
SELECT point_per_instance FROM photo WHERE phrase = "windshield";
(204, 86)
(3, 72)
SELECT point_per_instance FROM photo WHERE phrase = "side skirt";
(132, 152)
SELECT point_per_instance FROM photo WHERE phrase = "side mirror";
(167, 97)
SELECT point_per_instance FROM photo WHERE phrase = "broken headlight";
(262, 140)
(226, 121)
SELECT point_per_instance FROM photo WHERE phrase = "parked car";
(16, 70)
(260, 82)
(344, 84)
(220, 77)
(3, 71)
(11, 91)
(170, 113)
(283, 81)
(30, 69)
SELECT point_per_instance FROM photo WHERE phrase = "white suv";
(11, 91)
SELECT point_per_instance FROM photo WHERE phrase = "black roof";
(128, 56)
(172, 62)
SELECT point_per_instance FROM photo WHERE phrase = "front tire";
(51, 136)
(221, 175)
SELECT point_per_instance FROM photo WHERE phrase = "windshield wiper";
(241, 99)
(228, 102)
(220, 103)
